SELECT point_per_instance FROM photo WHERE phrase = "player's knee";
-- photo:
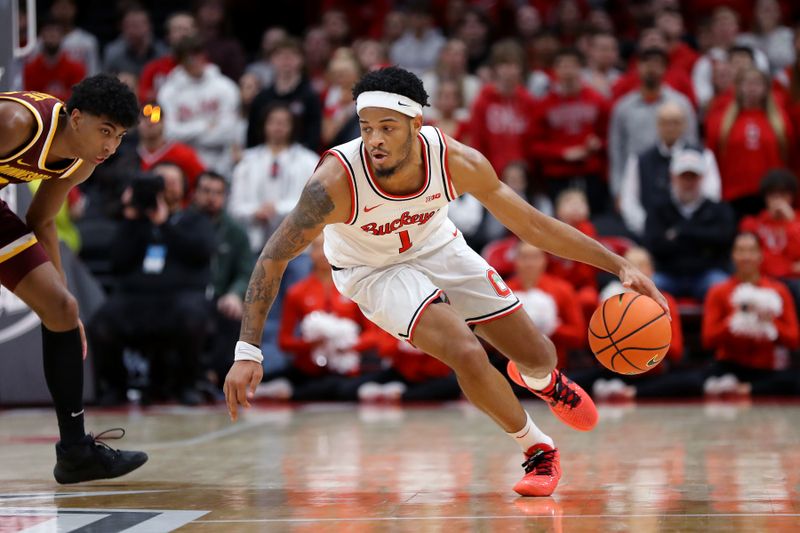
(62, 313)
(466, 357)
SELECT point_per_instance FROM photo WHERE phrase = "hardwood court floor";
(645, 468)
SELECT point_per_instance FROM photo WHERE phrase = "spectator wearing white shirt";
(418, 48)
(201, 106)
(647, 178)
(267, 182)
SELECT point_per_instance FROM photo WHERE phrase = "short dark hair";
(568, 51)
(104, 95)
(778, 180)
(652, 53)
(211, 175)
(741, 49)
(393, 80)
(288, 43)
(188, 46)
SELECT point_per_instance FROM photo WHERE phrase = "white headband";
(395, 102)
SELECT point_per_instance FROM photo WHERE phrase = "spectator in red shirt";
(52, 71)
(681, 56)
(675, 75)
(551, 302)
(572, 208)
(569, 132)
(153, 148)
(179, 25)
(749, 138)
(751, 324)
(778, 228)
(502, 117)
(448, 112)
(325, 334)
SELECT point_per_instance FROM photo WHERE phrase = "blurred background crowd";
(667, 129)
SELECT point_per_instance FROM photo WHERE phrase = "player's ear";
(416, 123)
(75, 118)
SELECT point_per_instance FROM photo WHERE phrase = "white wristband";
(247, 352)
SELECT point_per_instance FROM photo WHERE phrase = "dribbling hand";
(242, 376)
(632, 278)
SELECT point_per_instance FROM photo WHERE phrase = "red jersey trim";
(352, 182)
(387, 195)
(494, 316)
(449, 188)
(415, 320)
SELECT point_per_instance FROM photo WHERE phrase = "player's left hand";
(240, 385)
(632, 278)
(83, 338)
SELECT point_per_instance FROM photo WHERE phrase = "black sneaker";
(91, 458)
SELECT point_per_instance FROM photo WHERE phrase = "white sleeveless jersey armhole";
(383, 228)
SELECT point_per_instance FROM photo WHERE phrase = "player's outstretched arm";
(472, 173)
(325, 200)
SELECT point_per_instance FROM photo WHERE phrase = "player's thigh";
(442, 333)
(475, 290)
(43, 291)
(393, 297)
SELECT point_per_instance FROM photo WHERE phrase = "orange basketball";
(629, 333)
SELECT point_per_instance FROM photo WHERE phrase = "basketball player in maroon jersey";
(43, 139)
(381, 201)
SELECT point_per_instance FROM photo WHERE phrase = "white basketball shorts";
(394, 296)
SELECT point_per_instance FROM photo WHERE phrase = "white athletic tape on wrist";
(396, 102)
(247, 352)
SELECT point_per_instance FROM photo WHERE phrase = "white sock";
(537, 383)
(530, 435)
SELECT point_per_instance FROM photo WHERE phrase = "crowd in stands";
(667, 129)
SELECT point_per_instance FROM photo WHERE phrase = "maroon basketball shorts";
(20, 252)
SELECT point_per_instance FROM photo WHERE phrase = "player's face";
(97, 137)
(388, 137)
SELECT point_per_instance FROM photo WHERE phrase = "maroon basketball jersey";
(29, 161)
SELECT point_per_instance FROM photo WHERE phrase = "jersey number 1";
(405, 241)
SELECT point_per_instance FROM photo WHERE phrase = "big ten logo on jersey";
(432, 197)
(498, 284)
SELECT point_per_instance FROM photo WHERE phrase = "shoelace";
(100, 437)
(541, 461)
(562, 392)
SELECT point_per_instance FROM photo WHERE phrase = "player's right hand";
(242, 376)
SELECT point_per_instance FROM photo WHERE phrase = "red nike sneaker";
(567, 400)
(542, 471)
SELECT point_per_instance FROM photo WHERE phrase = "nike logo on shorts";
(79, 413)
(368, 209)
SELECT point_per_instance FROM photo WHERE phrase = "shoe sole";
(66, 478)
(515, 376)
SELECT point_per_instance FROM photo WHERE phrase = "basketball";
(629, 333)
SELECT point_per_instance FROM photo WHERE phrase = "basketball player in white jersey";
(381, 201)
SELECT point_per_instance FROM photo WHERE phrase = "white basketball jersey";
(384, 228)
